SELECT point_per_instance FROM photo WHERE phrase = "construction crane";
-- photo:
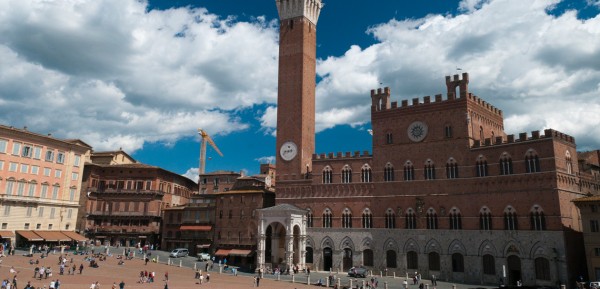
(205, 139)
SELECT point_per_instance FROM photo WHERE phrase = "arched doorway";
(275, 244)
(327, 259)
(309, 255)
(296, 245)
(390, 258)
(514, 269)
(268, 244)
(347, 259)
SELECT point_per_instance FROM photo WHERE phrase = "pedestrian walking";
(80, 269)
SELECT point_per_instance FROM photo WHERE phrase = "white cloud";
(543, 71)
(266, 160)
(192, 174)
(115, 75)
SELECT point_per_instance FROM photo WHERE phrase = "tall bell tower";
(296, 92)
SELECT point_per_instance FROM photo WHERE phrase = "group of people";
(202, 277)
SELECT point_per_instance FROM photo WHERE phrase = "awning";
(52, 236)
(203, 246)
(74, 236)
(30, 236)
(195, 228)
(243, 253)
(222, 252)
(6, 234)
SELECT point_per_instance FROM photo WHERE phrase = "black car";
(357, 272)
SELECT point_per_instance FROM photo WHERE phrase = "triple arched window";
(451, 169)
(506, 167)
(327, 175)
(485, 219)
(410, 219)
(309, 218)
(390, 219)
(455, 219)
(346, 174)
(327, 217)
(347, 218)
(481, 167)
(432, 219)
(388, 173)
(409, 171)
(510, 219)
(537, 219)
(366, 174)
(532, 162)
(367, 219)
(429, 171)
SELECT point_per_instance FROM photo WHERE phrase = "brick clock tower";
(296, 92)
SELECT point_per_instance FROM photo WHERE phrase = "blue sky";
(143, 76)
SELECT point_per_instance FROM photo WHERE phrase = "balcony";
(94, 190)
(124, 214)
(19, 199)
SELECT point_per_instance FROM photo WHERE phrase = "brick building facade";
(445, 192)
(125, 201)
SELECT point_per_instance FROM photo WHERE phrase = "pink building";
(40, 180)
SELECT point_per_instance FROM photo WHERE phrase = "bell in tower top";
(295, 8)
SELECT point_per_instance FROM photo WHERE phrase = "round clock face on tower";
(288, 151)
(417, 131)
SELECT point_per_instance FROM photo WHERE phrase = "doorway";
(327, 259)
(347, 260)
(514, 269)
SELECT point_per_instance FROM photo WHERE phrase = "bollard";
(220, 269)
(426, 286)
(169, 262)
(157, 259)
(308, 280)
(371, 273)
(350, 283)
(278, 277)
(180, 263)
(327, 282)
(453, 286)
(338, 270)
(293, 278)
(394, 275)
(385, 285)
(339, 282)
(563, 286)
(363, 284)
(195, 266)
(380, 274)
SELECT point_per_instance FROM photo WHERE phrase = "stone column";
(289, 250)
(260, 252)
(302, 249)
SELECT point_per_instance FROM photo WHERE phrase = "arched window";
(309, 218)
(390, 259)
(506, 167)
(368, 257)
(432, 219)
(346, 218)
(458, 263)
(455, 219)
(412, 260)
(481, 167)
(481, 138)
(485, 219)
(367, 219)
(327, 175)
(410, 219)
(366, 175)
(434, 261)
(542, 269)
(537, 219)
(489, 265)
(346, 174)
(429, 171)
(309, 255)
(451, 169)
(510, 219)
(532, 162)
(327, 216)
(448, 131)
(390, 219)
(389, 138)
(388, 173)
(569, 162)
(409, 171)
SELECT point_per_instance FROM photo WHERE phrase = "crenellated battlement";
(522, 137)
(295, 8)
(381, 97)
(340, 155)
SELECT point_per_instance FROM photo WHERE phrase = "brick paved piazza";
(110, 272)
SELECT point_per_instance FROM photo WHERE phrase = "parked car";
(357, 272)
(203, 256)
(179, 252)
(595, 284)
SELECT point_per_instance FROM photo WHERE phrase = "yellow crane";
(205, 139)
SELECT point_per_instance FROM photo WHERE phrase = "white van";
(179, 252)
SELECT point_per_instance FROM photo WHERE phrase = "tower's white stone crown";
(295, 8)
